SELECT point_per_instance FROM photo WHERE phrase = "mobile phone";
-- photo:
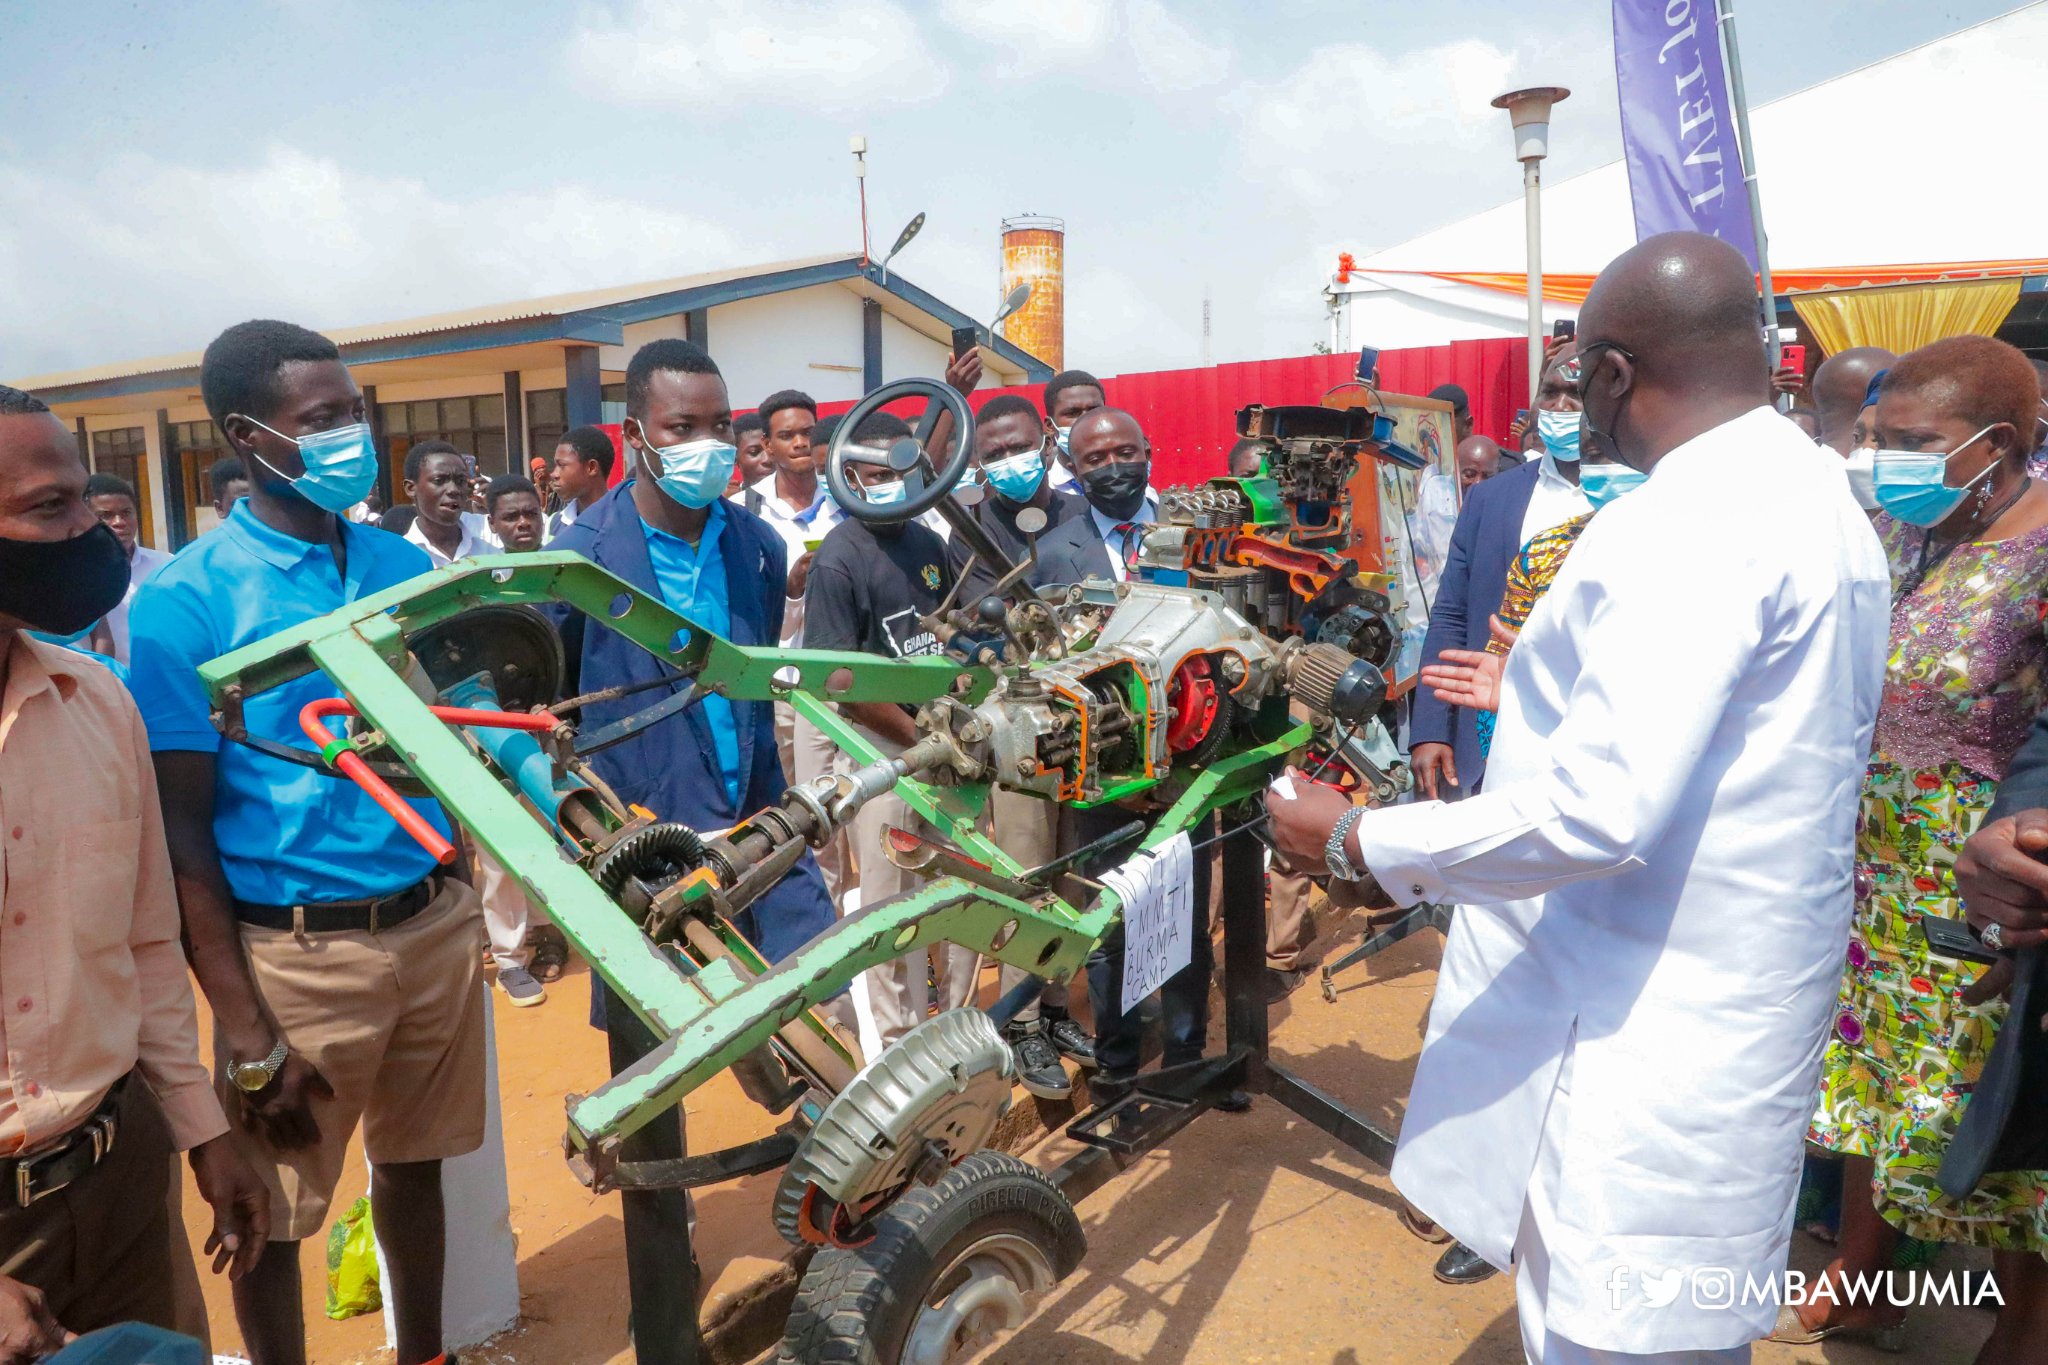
(1952, 938)
(965, 339)
(1794, 356)
(1522, 415)
(1564, 329)
(1368, 364)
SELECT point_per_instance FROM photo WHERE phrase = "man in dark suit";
(1499, 516)
(1112, 466)
(669, 531)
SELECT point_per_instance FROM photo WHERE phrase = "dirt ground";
(1250, 1238)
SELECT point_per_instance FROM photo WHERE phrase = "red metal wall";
(1191, 415)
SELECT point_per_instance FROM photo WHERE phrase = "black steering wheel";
(923, 487)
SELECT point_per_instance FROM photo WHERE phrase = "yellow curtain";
(1905, 317)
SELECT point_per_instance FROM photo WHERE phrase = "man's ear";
(408, 488)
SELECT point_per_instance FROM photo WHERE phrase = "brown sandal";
(1421, 1227)
(550, 957)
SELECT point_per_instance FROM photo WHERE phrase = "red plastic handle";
(350, 764)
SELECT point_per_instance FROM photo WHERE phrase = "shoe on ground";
(1461, 1265)
(1070, 1039)
(520, 987)
(1281, 983)
(1234, 1102)
(1106, 1089)
(1038, 1064)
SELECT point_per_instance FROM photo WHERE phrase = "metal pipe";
(1532, 206)
(1724, 11)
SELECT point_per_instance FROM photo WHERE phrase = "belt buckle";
(25, 1192)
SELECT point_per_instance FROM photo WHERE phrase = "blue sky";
(166, 169)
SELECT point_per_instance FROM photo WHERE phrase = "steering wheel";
(924, 487)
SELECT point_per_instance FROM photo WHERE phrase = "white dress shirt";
(141, 565)
(1554, 500)
(1656, 880)
(477, 539)
(1114, 540)
(797, 526)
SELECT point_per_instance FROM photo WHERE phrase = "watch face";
(251, 1076)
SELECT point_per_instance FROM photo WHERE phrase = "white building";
(504, 381)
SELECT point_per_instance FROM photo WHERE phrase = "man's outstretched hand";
(28, 1329)
(1301, 823)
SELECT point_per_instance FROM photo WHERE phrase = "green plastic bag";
(352, 1264)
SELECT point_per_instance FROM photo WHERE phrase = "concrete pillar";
(585, 394)
(171, 475)
(697, 327)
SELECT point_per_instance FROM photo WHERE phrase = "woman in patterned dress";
(1966, 673)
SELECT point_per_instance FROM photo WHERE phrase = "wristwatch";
(1334, 852)
(253, 1076)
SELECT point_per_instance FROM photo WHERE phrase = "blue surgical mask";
(1911, 485)
(1861, 467)
(1017, 477)
(694, 473)
(882, 494)
(1603, 482)
(1060, 437)
(67, 641)
(341, 464)
(1560, 433)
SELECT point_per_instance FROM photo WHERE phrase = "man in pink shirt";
(100, 1077)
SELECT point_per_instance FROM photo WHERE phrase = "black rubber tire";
(856, 1307)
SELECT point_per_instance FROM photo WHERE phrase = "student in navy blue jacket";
(668, 530)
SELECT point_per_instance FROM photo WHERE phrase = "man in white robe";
(1655, 879)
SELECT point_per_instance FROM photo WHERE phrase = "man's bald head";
(1670, 345)
(1478, 460)
(1839, 386)
(1101, 435)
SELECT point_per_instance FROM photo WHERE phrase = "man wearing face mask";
(669, 530)
(103, 1080)
(1012, 447)
(1499, 516)
(1113, 464)
(303, 900)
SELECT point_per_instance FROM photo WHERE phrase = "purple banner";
(1678, 123)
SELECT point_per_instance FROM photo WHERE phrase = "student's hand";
(1518, 431)
(282, 1112)
(1432, 763)
(799, 574)
(1787, 380)
(240, 1203)
(28, 1329)
(963, 372)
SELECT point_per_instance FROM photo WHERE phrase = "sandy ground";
(1251, 1238)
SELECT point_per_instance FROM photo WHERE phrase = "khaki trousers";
(1289, 929)
(899, 993)
(1028, 830)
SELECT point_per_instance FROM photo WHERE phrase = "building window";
(195, 447)
(474, 426)
(124, 453)
(547, 416)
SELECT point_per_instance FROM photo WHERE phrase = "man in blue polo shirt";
(340, 963)
(669, 530)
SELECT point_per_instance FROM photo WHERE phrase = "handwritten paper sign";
(1157, 890)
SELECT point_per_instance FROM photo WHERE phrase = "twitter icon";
(1660, 1291)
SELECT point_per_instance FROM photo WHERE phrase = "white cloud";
(304, 238)
(1169, 56)
(703, 55)
(1086, 37)
(1035, 35)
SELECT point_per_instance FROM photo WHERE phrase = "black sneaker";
(1071, 1039)
(1038, 1064)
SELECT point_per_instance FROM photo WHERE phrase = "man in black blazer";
(1499, 516)
(1112, 466)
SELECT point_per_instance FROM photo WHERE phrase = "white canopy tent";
(1924, 157)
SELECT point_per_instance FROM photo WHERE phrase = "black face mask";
(63, 586)
(1117, 489)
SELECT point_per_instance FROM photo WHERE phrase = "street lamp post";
(1530, 111)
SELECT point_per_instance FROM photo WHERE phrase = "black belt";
(337, 917)
(29, 1178)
